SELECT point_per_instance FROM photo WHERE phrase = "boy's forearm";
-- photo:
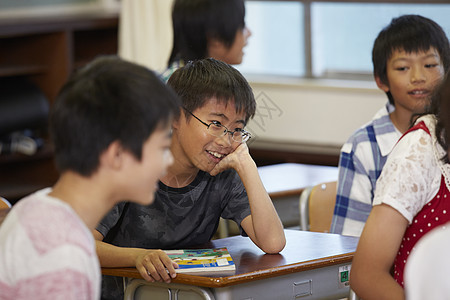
(266, 224)
(113, 256)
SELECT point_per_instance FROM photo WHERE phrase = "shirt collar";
(385, 132)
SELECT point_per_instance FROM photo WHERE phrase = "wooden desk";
(290, 179)
(308, 267)
(285, 182)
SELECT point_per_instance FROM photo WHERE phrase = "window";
(276, 44)
(318, 39)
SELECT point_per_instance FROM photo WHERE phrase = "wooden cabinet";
(46, 51)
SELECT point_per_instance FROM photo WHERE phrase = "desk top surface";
(288, 178)
(304, 251)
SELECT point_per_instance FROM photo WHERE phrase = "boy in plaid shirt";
(409, 57)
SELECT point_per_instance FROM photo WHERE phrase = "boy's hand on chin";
(234, 160)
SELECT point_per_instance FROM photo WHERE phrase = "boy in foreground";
(410, 57)
(110, 126)
(213, 176)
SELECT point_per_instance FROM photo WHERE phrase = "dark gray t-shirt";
(178, 218)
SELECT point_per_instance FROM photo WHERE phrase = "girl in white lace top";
(412, 197)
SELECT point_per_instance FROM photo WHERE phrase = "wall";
(311, 116)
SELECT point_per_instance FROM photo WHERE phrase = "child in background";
(213, 176)
(412, 198)
(410, 57)
(428, 268)
(207, 28)
(110, 126)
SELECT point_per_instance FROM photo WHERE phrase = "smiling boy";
(410, 57)
(213, 176)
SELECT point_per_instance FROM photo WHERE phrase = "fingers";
(233, 160)
(158, 272)
(155, 265)
(216, 170)
(171, 269)
(143, 271)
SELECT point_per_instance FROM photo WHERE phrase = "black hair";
(440, 107)
(108, 100)
(409, 33)
(199, 81)
(195, 22)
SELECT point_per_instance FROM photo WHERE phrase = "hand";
(235, 160)
(155, 265)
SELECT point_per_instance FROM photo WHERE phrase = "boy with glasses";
(213, 176)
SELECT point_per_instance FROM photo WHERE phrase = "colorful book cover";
(203, 261)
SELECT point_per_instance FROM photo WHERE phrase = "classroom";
(313, 91)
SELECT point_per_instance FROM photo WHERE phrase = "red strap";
(420, 125)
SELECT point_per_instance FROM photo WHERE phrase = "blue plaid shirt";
(361, 160)
(169, 71)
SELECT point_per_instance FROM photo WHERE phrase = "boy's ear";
(216, 48)
(113, 156)
(176, 123)
(213, 42)
(181, 118)
(382, 86)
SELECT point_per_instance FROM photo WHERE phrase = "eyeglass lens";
(219, 130)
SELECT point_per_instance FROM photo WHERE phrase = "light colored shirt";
(47, 252)
(412, 174)
(415, 182)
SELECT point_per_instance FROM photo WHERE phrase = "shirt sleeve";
(354, 189)
(236, 205)
(110, 220)
(410, 176)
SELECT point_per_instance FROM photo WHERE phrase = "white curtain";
(145, 32)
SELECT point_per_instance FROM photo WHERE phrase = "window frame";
(308, 28)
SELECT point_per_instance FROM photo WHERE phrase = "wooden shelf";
(22, 70)
(46, 152)
(46, 51)
(22, 175)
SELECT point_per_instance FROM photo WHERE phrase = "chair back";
(5, 207)
(4, 203)
(321, 206)
(317, 206)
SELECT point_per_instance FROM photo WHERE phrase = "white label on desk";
(344, 276)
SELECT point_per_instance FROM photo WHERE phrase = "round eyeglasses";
(218, 130)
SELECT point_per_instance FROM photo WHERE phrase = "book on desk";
(217, 261)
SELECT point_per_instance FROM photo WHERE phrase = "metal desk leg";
(141, 289)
